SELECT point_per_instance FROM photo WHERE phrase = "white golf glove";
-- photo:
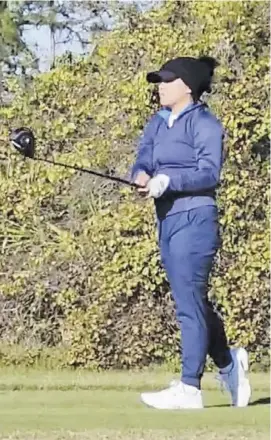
(158, 185)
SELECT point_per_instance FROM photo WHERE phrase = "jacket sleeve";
(208, 144)
(144, 160)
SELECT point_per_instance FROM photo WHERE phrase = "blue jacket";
(190, 153)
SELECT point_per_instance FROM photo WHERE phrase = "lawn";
(105, 406)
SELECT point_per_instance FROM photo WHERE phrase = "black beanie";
(196, 73)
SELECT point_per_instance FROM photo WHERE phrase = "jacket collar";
(165, 112)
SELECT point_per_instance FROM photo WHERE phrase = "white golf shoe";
(177, 396)
(236, 382)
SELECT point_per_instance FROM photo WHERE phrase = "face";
(173, 92)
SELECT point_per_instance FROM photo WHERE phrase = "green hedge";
(80, 267)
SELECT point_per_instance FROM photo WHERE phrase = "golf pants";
(188, 243)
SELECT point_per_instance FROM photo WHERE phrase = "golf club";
(24, 141)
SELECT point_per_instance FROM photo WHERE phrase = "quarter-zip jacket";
(190, 153)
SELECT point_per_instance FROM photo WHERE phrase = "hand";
(158, 185)
(142, 179)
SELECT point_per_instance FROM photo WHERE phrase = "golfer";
(178, 164)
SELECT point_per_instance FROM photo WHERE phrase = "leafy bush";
(80, 267)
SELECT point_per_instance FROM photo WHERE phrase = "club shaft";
(86, 170)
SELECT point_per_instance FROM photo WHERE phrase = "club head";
(23, 140)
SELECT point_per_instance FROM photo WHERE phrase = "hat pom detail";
(210, 62)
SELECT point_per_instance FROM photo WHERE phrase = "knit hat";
(196, 73)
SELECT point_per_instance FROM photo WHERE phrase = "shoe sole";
(243, 401)
(169, 409)
(242, 359)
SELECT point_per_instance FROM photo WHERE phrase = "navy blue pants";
(188, 243)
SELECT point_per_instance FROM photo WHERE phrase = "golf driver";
(24, 141)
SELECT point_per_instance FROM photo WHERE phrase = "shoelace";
(224, 385)
(174, 383)
(177, 383)
(221, 382)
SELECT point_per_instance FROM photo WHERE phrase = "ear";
(188, 91)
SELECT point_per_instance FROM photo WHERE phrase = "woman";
(178, 164)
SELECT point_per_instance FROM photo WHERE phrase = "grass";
(68, 405)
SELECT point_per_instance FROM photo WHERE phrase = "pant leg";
(218, 348)
(189, 241)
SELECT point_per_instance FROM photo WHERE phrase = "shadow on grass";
(263, 401)
(223, 405)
